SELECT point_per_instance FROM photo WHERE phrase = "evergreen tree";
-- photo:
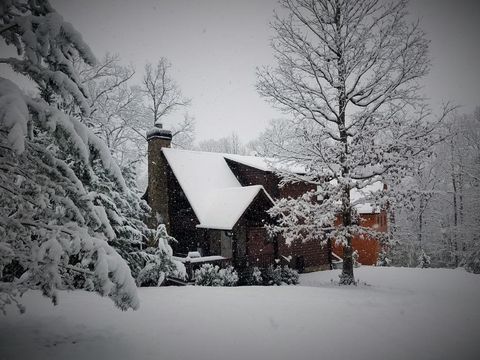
(159, 263)
(63, 200)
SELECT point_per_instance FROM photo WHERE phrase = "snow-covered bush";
(423, 260)
(289, 276)
(251, 276)
(272, 275)
(472, 263)
(277, 275)
(383, 259)
(355, 257)
(212, 275)
(159, 262)
(256, 276)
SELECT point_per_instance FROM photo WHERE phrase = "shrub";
(276, 275)
(383, 259)
(212, 275)
(289, 276)
(473, 262)
(272, 275)
(251, 276)
(256, 276)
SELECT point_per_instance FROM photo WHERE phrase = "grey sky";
(215, 45)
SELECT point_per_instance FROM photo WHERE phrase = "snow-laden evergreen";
(348, 79)
(65, 207)
(159, 263)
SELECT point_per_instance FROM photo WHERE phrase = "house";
(217, 204)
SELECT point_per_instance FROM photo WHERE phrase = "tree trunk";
(455, 210)
(346, 277)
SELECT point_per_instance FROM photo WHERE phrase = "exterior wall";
(310, 255)
(260, 250)
(295, 190)
(304, 255)
(248, 175)
(183, 220)
(368, 248)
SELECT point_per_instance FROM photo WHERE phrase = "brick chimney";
(158, 138)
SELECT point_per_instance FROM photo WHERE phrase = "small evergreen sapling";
(159, 262)
(383, 259)
(423, 260)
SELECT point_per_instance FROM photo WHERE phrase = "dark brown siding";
(295, 190)
(312, 254)
(183, 220)
(260, 251)
(248, 175)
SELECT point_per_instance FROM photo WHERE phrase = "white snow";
(398, 314)
(198, 259)
(359, 198)
(227, 205)
(13, 114)
(266, 164)
(216, 196)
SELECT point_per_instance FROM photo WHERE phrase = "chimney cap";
(157, 132)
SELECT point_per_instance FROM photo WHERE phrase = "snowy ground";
(393, 314)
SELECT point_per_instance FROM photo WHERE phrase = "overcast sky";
(215, 46)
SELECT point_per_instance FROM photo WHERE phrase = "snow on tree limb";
(347, 77)
(62, 196)
(45, 43)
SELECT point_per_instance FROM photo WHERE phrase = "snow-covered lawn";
(395, 313)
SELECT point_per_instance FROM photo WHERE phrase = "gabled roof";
(265, 164)
(227, 205)
(213, 191)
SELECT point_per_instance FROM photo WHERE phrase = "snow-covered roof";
(216, 196)
(227, 205)
(265, 164)
(252, 161)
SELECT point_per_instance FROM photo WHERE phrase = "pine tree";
(63, 199)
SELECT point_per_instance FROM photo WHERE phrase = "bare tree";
(117, 114)
(442, 214)
(183, 134)
(228, 145)
(162, 92)
(163, 97)
(348, 75)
